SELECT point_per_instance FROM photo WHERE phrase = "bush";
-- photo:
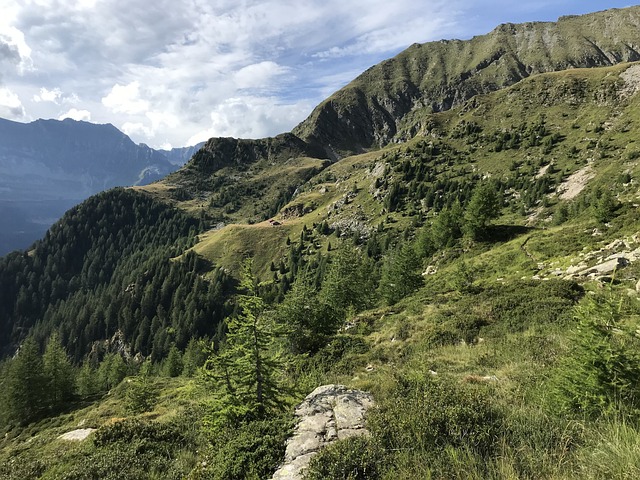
(139, 434)
(253, 450)
(355, 458)
(430, 415)
(338, 355)
(129, 450)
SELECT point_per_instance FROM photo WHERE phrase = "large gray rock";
(329, 413)
(604, 268)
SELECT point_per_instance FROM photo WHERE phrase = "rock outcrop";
(329, 413)
(77, 435)
(605, 261)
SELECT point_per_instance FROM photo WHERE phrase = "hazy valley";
(48, 166)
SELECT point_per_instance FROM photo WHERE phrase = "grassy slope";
(598, 133)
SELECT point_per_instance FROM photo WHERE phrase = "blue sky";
(175, 72)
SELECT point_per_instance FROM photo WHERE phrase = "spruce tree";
(58, 372)
(244, 371)
(26, 384)
(303, 316)
(86, 381)
(483, 207)
(194, 357)
(173, 364)
(348, 283)
(400, 274)
(140, 394)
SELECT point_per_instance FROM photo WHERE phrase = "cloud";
(204, 67)
(390, 26)
(137, 129)
(47, 95)
(258, 75)
(126, 99)
(76, 114)
(14, 49)
(251, 117)
(10, 105)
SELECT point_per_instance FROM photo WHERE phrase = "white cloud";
(10, 105)
(47, 95)
(76, 114)
(251, 117)
(136, 129)
(126, 99)
(14, 46)
(258, 75)
(168, 69)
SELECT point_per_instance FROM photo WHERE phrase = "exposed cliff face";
(439, 75)
(218, 153)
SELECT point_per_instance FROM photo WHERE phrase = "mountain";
(47, 166)
(436, 76)
(458, 237)
(180, 156)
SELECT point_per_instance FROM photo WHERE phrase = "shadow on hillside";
(504, 233)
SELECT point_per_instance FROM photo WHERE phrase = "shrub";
(432, 414)
(355, 458)
(139, 433)
(338, 354)
(253, 450)
(601, 376)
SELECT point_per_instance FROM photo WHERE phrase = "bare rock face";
(329, 413)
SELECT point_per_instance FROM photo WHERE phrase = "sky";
(172, 73)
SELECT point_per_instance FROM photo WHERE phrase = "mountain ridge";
(439, 75)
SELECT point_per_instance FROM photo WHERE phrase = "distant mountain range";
(47, 166)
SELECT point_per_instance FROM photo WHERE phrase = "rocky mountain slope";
(180, 156)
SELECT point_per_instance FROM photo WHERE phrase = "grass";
(612, 451)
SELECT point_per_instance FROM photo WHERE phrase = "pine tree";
(483, 207)
(58, 372)
(140, 394)
(111, 371)
(601, 375)
(244, 371)
(303, 315)
(86, 381)
(349, 282)
(194, 357)
(604, 207)
(447, 227)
